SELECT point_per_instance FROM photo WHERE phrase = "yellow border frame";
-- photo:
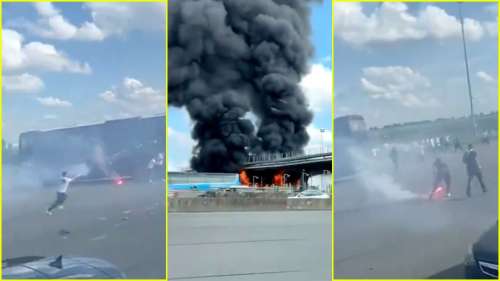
(166, 119)
(333, 108)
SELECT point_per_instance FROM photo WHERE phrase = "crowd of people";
(433, 148)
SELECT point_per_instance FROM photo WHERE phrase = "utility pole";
(473, 121)
(321, 136)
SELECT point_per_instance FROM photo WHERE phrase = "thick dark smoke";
(231, 57)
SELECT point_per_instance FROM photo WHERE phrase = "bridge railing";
(267, 157)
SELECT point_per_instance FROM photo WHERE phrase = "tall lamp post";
(321, 137)
(467, 70)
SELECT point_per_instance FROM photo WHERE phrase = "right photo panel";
(415, 140)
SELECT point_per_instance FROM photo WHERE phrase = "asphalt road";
(385, 228)
(124, 225)
(250, 246)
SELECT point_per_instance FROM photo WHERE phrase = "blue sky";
(316, 85)
(71, 63)
(399, 62)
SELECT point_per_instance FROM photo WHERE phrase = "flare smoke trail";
(231, 57)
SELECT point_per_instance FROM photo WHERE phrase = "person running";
(473, 168)
(441, 174)
(61, 192)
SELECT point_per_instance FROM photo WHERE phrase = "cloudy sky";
(66, 64)
(317, 85)
(399, 62)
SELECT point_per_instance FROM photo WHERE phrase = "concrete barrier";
(247, 203)
(309, 204)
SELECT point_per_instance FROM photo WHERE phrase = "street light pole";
(303, 181)
(321, 137)
(467, 70)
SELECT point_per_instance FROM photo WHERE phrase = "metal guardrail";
(274, 157)
(283, 162)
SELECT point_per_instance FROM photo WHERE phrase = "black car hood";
(486, 248)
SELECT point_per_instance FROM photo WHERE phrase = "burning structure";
(229, 58)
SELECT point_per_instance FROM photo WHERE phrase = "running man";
(473, 168)
(441, 174)
(61, 192)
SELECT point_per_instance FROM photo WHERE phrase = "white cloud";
(135, 98)
(492, 8)
(392, 22)
(52, 24)
(491, 28)
(107, 19)
(50, 116)
(25, 83)
(118, 19)
(318, 138)
(397, 83)
(485, 77)
(53, 102)
(317, 86)
(36, 55)
(180, 146)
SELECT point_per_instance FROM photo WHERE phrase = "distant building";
(124, 145)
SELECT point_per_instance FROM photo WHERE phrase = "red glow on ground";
(119, 181)
(439, 193)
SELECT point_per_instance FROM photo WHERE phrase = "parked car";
(311, 194)
(482, 259)
(67, 267)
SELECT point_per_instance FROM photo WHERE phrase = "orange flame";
(244, 180)
(278, 178)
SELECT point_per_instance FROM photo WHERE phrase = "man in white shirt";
(61, 192)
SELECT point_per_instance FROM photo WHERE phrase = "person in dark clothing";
(394, 157)
(457, 145)
(473, 168)
(441, 174)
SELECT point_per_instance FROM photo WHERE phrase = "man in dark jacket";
(473, 168)
(441, 174)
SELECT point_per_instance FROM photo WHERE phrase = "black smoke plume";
(231, 57)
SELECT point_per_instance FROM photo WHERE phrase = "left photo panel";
(83, 140)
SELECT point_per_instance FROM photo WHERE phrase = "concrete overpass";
(322, 160)
(291, 168)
